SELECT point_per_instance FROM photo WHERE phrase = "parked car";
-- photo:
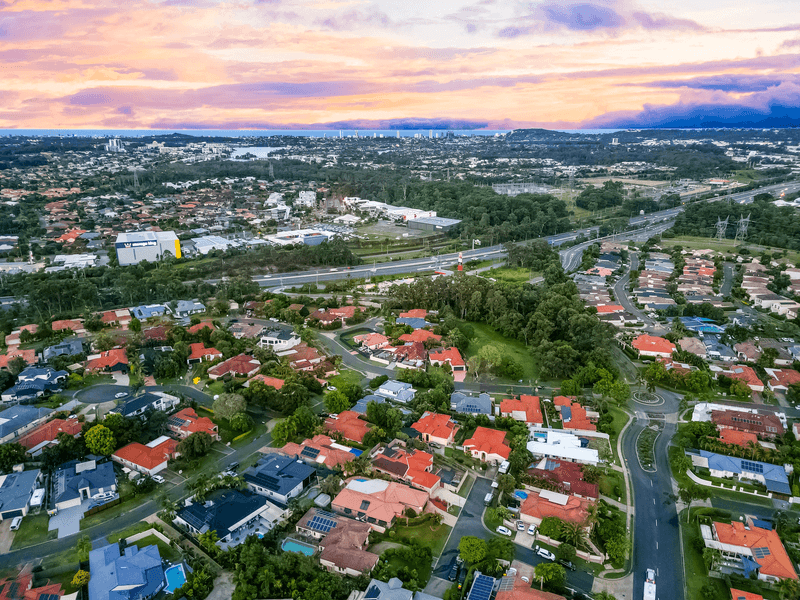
(120, 394)
(520, 526)
(158, 479)
(462, 576)
(544, 553)
(567, 564)
(332, 388)
(504, 531)
(434, 445)
(15, 523)
(453, 572)
(532, 529)
(233, 466)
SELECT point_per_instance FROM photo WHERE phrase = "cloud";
(775, 107)
(361, 124)
(738, 83)
(353, 20)
(581, 16)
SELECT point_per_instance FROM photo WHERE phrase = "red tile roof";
(738, 438)
(539, 506)
(784, 377)
(385, 501)
(489, 441)
(198, 327)
(777, 563)
(568, 476)
(740, 595)
(241, 365)
(524, 591)
(767, 424)
(71, 324)
(47, 432)
(155, 333)
(372, 340)
(192, 424)
(29, 356)
(111, 358)
(526, 409)
(449, 355)
(198, 351)
(438, 426)
(345, 547)
(327, 454)
(414, 313)
(270, 381)
(21, 588)
(578, 419)
(653, 344)
(746, 374)
(420, 335)
(146, 457)
(349, 425)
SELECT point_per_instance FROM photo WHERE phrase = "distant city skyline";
(373, 64)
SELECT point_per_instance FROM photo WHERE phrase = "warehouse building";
(136, 246)
(438, 224)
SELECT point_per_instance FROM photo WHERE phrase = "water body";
(258, 151)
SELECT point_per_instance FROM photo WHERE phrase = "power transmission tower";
(741, 229)
(722, 227)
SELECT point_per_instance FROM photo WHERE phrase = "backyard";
(485, 335)
(425, 533)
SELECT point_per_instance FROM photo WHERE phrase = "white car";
(15, 523)
(120, 394)
(532, 530)
(545, 553)
(158, 479)
(504, 531)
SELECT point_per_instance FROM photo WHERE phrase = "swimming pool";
(176, 577)
(356, 451)
(291, 545)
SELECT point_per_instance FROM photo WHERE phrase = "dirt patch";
(223, 587)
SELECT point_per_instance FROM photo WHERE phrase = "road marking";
(656, 522)
(654, 500)
(656, 545)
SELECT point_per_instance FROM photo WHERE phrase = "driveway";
(6, 536)
(68, 520)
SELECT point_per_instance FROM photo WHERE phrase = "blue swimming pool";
(520, 494)
(290, 545)
(356, 451)
(176, 577)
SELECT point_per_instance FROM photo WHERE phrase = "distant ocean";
(244, 133)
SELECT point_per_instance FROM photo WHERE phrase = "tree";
(618, 548)
(241, 422)
(83, 547)
(196, 445)
(135, 325)
(16, 365)
(208, 541)
(573, 533)
(228, 405)
(604, 596)
(566, 552)
(506, 483)
(789, 589)
(550, 573)
(336, 402)
(100, 440)
(284, 432)
(472, 549)
(10, 455)
(81, 579)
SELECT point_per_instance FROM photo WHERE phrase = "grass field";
(33, 530)
(434, 536)
(611, 482)
(128, 531)
(345, 377)
(620, 419)
(700, 243)
(485, 335)
(511, 274)
(166, 551)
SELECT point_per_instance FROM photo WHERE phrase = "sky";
(492, 64)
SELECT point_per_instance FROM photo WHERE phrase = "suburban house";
(344, 548)
(120, 316)
(199, 353)
(20, 419)
(514, 588)
(391, 590)
(320, 450)
(649, 345)
(526, 409)
(563, 445)
(414, 313)
(693, 346)
(747, 351)
(34, 382)
(115, 359)
(204, 324)
(764, 424)
(488, 445)
(232, 514)
(433, 427)
(474, 405)
(46, 434)
(75, 481)
(185, 422)
(573, 415)
(28, 356)
(278, 339)
(279, 477)
(135, 575)
(242, 365)
(568, 476)
(397, 391)
(567, 507)
(22, 588)
(272, 382)
(781, 379)
(451, 356)
(148, 458)
(772, 476)
(361, 406)
(744, 439)
(420, 335)
(148, 401)
(371, 341)
(148, 311)
(378, 502)
(184, 309)
(242, 331)
(746, 374)
(411, 466)
(349, 425)
(16, 490)
(750, 548)
(65, 348)
(74, 325)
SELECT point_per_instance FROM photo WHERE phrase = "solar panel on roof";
(310, 452)
(761, 552)
(753, 467)
(364, 505)
(373, 593)
(325, 513)
(481, 588)
(321, 524)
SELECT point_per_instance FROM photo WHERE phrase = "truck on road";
(649, 585)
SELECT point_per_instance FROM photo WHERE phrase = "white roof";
(368, 486)
(554, 497)
(158, 441)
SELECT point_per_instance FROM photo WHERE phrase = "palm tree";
(573, 533)
(788, 589)
(604, 596)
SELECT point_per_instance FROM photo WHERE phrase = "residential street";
(622, 295)
(470, 522)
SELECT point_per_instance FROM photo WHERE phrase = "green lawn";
(466, 486)
(620, 419)
(612, 481)
(423, 570)
(127, 532)
(166, 551)
(700, 243)
(491, 520)
(345, 377)
(485, 335)
(511, 274)
(33, 530)
(434, 536)
(109, 514)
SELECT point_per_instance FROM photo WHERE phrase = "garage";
(10, 514)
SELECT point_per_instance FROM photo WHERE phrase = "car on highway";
(544, 553)
(120, 395)
(503, 531)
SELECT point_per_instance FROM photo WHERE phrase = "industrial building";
(136, 246)
(439, 224)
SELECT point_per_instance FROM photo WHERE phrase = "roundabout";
(647, 398)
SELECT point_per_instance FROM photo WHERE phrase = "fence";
(140, 536)
(96, 509)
